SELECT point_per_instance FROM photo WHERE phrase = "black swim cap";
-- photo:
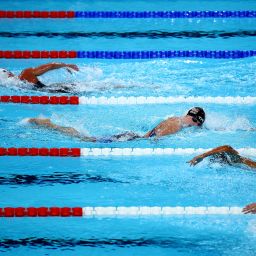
(197, 113)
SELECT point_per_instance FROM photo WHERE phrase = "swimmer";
(31, 75)
(250, 208)
(226, 154)
(172, 125)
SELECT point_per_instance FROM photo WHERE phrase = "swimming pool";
(145, 180)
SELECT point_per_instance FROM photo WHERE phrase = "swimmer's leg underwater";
(47, 123)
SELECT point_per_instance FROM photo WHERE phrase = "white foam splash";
(251, 228)
(90, 72)
(191, 61)
(24, 121)
(9, 81)
(219, 122)
(77, 124)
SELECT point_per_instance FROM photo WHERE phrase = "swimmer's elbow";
(227, 148)
(230, 150)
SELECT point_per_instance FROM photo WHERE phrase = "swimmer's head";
(197, 114)
(4, 74)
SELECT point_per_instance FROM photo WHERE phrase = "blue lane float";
(165, 14)
(165, 54)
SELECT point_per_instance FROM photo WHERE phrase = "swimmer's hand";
(195, 160)
(70, 67)
(250, 208)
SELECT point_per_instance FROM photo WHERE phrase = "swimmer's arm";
(46, 123)
(248, 162)
(226, 148)
(250, 208)
(40, 70)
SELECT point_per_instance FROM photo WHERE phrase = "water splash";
(218, 122)
(10, 81)
(251, 228)
(77, 124)
(188, 77)
(24, 121)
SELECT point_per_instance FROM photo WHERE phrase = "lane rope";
(153, 151)
(113, 211)
(165, 100)
(59, 152)
(62, 54)
(102, 152)
(141, 100)
(127, 14)
(54, 100)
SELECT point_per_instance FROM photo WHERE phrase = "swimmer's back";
(166, 127)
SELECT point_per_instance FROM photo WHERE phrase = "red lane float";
(41, 212)
(58, 152)
(37, 14)
(37, 54)
(55, 100)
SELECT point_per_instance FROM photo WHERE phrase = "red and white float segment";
(52, 152)
(112, 211)
(141, 100)
(154, 151)
(158, 211)
(102, 152)
(54, 100)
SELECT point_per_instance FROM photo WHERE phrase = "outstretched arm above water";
(30, 74)
(250, 208)
(224, 149)
(46, 123)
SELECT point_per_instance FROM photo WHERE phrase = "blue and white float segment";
(164, 14)
(101, 152)
(137, 211)
(234, 54)
(166, 100)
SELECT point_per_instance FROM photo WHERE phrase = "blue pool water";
(137, 180)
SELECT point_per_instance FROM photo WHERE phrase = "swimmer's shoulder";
(28, 76)
(173, 118)
(176, 121)
(26, 72)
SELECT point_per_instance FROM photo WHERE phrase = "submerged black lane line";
(152, 34)
(55, 178)
(170, 242)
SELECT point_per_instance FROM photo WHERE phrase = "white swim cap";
(4, 74)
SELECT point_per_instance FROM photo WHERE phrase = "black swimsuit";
(39, 84)
(127, 136)
(152, 133)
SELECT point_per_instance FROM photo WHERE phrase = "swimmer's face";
(194, 122)
(5, 73)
